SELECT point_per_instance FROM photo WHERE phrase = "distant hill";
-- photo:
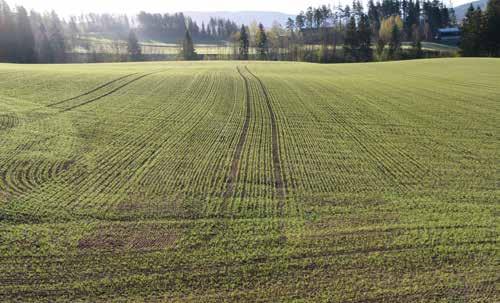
(461, 10)
(243, 17)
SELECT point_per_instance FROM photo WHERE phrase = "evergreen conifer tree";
(188, 52)
(244, 43)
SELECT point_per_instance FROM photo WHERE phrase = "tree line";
(481, 31)
(172, 28)
(33, 37)
(434, 15)
(376, 33)
(384, 24)
(29, 37)
(348, 33)
(46, 38)
(100, 25)
(159, 27)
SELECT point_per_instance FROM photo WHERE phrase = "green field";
(250, 182)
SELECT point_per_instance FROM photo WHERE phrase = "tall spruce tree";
(25, 52)
(300, 21)
(244, 44)
(290, 25)
(412, 18)
(56, 38)
(395, 43)
(471, 41)
(262, 46)
(351, 40)
(492, 28)
(364, 37)
(374, 17)
(8, 41)
(43, 51)
(416, 42)
(133, 47)
(309, 17)
(188, 51)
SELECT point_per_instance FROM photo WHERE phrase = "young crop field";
(250, 182)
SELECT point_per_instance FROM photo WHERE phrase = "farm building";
(449, 35)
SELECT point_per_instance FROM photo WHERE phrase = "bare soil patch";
(126, 237)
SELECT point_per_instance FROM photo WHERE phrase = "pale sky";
(67, 7)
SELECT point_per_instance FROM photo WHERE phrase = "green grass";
(432, 46)
(245, 182)
(102, 45)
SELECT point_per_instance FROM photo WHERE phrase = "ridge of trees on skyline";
(32, 37)
(385, 24)
(172, 28)
(378, 32)
(29, 38)
(188, 52)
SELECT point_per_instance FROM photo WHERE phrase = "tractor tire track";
(24, 177)
(91, 91)
(279, 183)
(235, 165)
(76, 259)
(43, 116)
(108, 93)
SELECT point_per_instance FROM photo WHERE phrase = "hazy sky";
(66, 7)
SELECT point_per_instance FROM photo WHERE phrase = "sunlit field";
(250, 182)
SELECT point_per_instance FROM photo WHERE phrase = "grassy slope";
(275, 182)
(103, 45)
(432, 46)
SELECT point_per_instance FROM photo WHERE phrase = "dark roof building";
(449, 35)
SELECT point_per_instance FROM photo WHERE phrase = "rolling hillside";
(250, 182)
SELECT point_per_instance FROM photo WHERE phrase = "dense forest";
(172, 28)
(481, 31)
(430, 15)
(354, 34)
(47, 38)
(348, 33)
(384, 24)
(27, 38)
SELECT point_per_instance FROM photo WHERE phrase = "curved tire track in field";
(9, 121)
(91, 91)
(279, 183)
(107, 180)
(110, 92)
(25, 176)
(235, 165)
(51, 260)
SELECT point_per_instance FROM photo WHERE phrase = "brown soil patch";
(139, 201)
(4, 197)
(126, 237)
